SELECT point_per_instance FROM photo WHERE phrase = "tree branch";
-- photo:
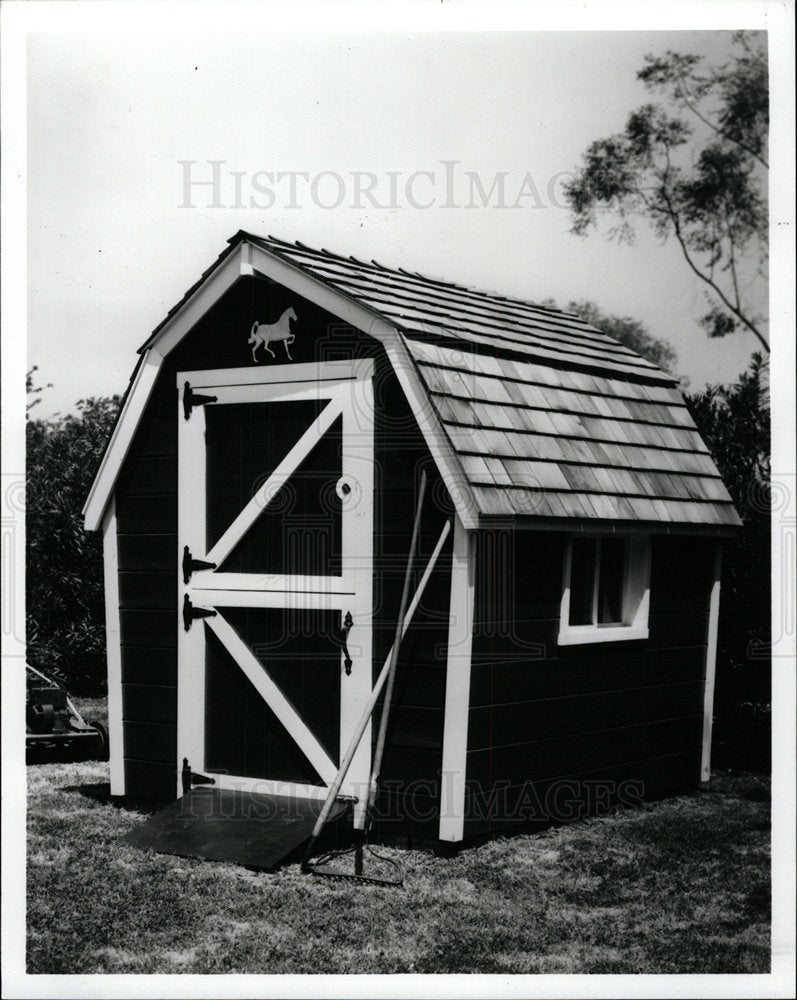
(676, 222)
(732, 260)
(692, 105)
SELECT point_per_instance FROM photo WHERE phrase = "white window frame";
(636, 596)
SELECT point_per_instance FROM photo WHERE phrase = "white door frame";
(348, 388)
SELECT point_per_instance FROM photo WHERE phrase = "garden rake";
(325, 865)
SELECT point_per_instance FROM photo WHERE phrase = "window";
(606, 589)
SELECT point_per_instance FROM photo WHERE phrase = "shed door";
(275, 490)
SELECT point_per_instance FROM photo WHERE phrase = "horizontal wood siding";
(542, 714)
(504, 806)
(150, 780)
(146, 499)
(409, 799)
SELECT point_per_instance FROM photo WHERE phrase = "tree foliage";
(64, 578)
(630, 332)
(734, 421)
(695, 169)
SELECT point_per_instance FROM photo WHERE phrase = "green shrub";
(64, 576)
(734, 421)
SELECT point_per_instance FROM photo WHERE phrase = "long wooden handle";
(391, 676)
(357, 736)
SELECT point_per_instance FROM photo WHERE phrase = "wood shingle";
(547, 416)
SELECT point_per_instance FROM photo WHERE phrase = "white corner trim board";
(711, 663)
(457, 703)
(113, 649)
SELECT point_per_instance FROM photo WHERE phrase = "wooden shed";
(257, 498)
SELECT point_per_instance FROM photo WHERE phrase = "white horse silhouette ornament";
(266, 334)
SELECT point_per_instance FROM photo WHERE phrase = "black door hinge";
(191, 565)
(192, 399)
(189, 777)
(190, 613)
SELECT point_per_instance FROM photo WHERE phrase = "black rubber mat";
(246, 828)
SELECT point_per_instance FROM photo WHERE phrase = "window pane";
(610, 589)
(582, 581)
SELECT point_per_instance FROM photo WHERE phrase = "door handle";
(348, 621)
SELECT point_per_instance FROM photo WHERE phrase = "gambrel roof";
(529, 411)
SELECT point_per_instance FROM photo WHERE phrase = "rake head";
(349, 864)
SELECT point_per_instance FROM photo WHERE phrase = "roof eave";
(598, 526)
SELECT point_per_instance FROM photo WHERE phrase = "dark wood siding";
(146, 503)
(409, 800)
(146, 511)
(556, 731)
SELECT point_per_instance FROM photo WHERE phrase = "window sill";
(620, 633)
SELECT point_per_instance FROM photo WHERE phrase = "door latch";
(348, 621)
(190, 613)
(192, 399)
(191, 565)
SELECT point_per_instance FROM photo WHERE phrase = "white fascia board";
(234, 266)
(226, 273)
(339, 304)
(121, 439)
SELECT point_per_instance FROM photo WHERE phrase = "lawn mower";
(54, 729)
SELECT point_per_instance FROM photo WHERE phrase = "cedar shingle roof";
(548, 416)
(432, 309)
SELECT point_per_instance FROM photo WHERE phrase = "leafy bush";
(734, 421)
(64, 581)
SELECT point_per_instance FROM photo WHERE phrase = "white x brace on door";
(275, 484)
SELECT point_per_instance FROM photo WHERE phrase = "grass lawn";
(677, 886)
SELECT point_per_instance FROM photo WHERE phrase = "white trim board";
(113, 649)
(323, 372)
(121, 439)
(457, 703)
(711, 663)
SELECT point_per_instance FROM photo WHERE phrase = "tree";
(630, 332)
(734, 421)
(64, 579)
(695, 170)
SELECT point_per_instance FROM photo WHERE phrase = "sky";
(123, 129)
